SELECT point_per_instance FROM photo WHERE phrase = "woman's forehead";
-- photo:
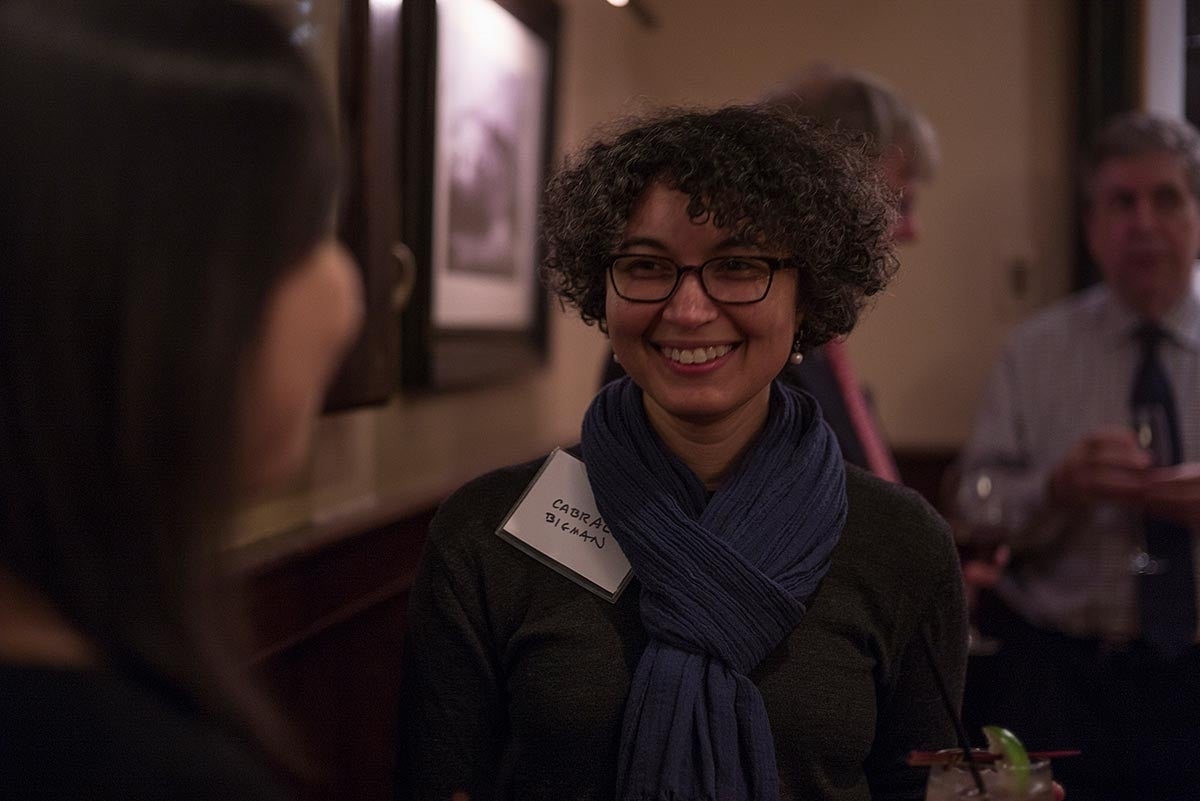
(664, 208)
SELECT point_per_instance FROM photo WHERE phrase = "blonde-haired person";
(904, 146)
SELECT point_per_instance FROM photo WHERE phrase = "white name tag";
(556, 522)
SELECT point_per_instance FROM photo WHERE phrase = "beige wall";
(994, 76)
(996, 79)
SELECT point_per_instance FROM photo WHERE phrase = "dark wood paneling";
(329, 622)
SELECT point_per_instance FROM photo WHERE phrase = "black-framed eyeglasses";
(725, 279)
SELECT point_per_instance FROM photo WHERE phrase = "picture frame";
(352, 45)
(477, 105)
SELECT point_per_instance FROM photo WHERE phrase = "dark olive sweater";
(516, 678)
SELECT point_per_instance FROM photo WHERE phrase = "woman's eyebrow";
(729, 243)
(732, 242)
(642, 241)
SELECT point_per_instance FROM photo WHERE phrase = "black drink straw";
(963, 742)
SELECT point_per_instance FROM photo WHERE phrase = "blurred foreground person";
(1090, 431)
(172, 304)
(770, 643)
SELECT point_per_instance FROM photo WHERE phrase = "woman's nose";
(690, 305)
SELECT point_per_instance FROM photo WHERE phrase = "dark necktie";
(1166, 597)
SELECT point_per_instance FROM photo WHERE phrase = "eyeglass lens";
(726, 279)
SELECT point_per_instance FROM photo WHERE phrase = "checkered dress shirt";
(1063, 374)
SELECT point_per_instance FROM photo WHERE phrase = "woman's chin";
(699, 407)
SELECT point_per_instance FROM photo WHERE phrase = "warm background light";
(997, 80)
(618, 3)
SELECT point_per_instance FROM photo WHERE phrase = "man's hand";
(986, 573)
(1174, 493)
(1104, 466)
(982, 574)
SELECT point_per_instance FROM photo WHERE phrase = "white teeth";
(696, 355)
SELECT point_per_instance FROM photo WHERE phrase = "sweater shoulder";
(463, 532)
(895, 532)
(491, 494)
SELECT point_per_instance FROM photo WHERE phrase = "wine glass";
(982, 512)
(1149, 421)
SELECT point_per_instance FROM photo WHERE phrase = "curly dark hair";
(771, 177)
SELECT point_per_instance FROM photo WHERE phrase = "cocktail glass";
(954, 782)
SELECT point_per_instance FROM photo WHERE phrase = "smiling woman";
(766, 177)
(768, 646)
(664, 344)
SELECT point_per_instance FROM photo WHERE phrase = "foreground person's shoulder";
(70, 733)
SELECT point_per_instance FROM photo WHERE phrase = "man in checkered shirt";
(1055, 433)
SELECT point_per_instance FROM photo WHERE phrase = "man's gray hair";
(1140, 133)
(860, 104)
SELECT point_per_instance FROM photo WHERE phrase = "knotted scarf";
(724, 581)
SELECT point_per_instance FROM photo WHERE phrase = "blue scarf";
(724, 581)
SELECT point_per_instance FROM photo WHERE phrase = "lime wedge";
(1005, 744)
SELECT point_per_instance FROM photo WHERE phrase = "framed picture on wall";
(353, 45)
(477, 110)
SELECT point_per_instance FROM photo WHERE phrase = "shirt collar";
(1182, 324)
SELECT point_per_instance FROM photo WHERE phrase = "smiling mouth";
(695, 355)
